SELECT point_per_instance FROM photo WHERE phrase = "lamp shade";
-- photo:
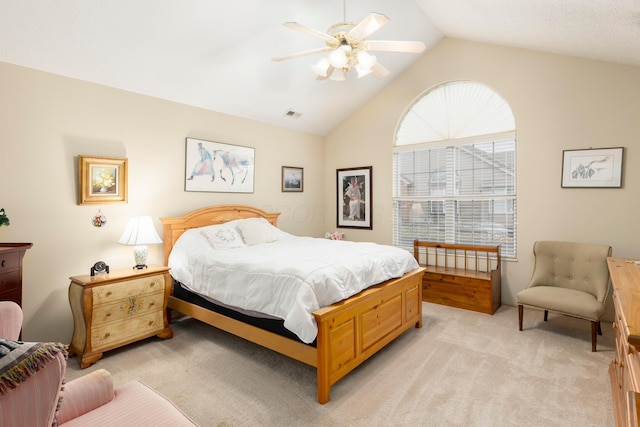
(140, 231)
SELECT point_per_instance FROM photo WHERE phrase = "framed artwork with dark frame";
(354, 197)
(217, 167)
(292, 179)
(592, 168)
(102, 180)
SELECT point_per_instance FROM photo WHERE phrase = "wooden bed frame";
(349, 331)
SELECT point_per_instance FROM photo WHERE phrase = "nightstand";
(115, 309)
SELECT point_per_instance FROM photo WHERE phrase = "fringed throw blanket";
(20, 360)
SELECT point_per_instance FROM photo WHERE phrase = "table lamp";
(140, 232)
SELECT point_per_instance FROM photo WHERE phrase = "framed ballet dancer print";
(354, 197)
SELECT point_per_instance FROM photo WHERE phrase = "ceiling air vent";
(292, 114)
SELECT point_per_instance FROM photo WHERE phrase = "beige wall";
(559, 103)
(46, 121)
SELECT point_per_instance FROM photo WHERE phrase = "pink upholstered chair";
(10, 320)
(91, 400)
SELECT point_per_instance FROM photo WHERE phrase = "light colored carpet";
(460, 369)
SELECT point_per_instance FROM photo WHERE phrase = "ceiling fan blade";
(367, 26)
(311, 32)
(303, 53)
(378, 71)
(395, 46)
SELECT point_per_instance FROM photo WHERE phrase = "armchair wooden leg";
(594, 334)
(546, 315)
(599, 329)
(520, 311)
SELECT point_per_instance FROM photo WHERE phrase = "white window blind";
(457, 193)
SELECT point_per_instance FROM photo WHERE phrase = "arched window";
(455, 169)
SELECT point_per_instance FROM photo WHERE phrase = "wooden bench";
(463, 276)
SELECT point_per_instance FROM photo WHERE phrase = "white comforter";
(289, 278)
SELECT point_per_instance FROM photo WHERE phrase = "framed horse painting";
(217, 167)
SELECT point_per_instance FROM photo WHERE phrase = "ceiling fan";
(348, 48)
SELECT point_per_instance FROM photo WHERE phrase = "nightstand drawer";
(9, 261)
(129, 288)
(10, 281)
(120, 332)
(127, 307)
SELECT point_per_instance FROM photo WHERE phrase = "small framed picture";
(354, 197)
(102, 180)
(292, 179)
(592, 168)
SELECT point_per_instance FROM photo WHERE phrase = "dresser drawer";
(113, 334)
(633, 365)
(129, 288)
(9, 261)
(10, 281)
(128, 307)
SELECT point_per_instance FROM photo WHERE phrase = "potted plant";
(4, 220)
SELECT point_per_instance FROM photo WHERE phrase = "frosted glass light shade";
(366, 60)
(338, 57)
(140, 232)
(322, 67)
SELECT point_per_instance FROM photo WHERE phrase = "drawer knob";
(107, 335)
(4, 262)
(108, 314)
(109, 293)
(152, 304)
(150, 322)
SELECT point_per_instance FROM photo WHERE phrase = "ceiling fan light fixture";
(321, 67)
(347, 48)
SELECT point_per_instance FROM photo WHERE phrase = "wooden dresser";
(111, 310)
(11, 255)
(625, 368)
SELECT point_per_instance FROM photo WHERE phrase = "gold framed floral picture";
(102, 180)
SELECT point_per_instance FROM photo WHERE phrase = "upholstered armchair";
(32, 391)
(571, 279)
(10, 320)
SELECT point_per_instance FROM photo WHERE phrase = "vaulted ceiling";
(216, 54)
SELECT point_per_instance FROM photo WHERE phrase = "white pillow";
(256, 230)
(222, 237)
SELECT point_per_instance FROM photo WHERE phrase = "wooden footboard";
(349, 332)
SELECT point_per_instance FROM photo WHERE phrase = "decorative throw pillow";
(256, 230)
(20, 360)
(223, 237)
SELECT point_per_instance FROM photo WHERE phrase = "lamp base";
(140, 254)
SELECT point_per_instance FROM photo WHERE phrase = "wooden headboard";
(173, 227)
